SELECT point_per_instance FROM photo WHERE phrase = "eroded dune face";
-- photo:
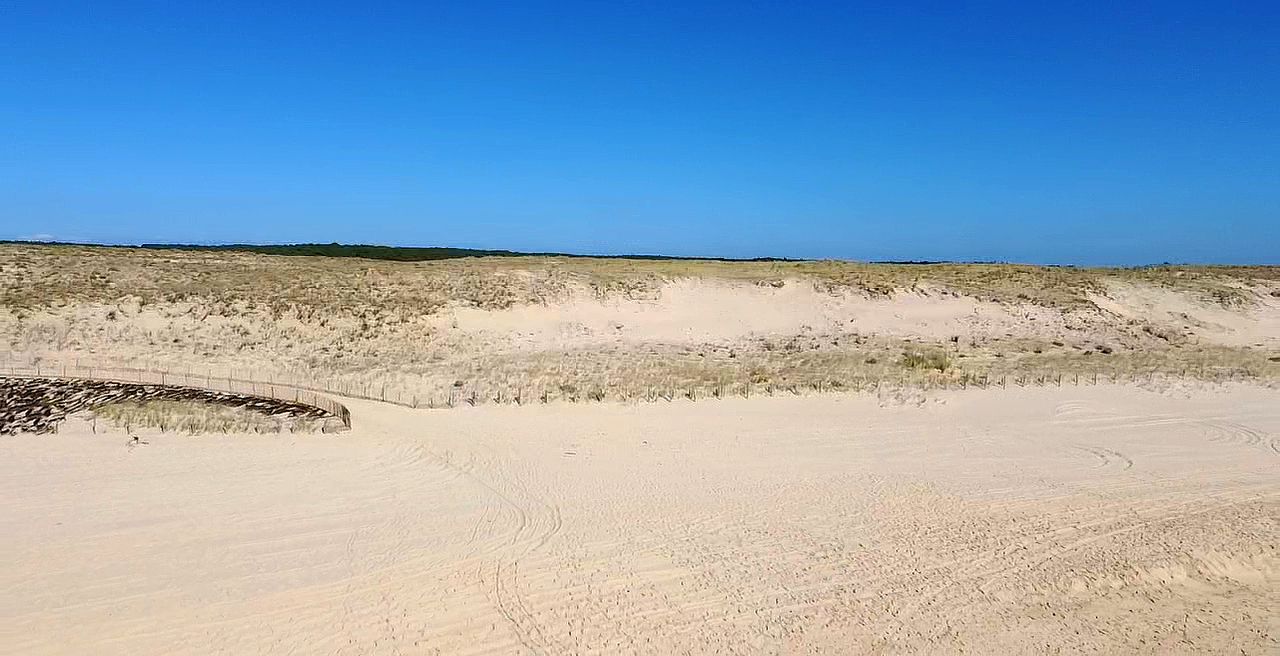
(1109, 519)
(688, 311)
(1255, 324)
(700, 311)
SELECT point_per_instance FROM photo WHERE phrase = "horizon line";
(431, 253)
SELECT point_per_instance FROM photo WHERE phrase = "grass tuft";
(932, 359)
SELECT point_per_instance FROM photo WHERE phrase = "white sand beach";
(1037, 520)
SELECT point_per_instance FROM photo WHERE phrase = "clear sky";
(1090, 133)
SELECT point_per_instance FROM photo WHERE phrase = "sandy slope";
(1040, 520)
(684, 334)
(693, 311)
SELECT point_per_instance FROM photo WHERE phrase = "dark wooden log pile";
(37, 405)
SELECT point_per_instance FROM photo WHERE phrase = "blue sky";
(1107, 133)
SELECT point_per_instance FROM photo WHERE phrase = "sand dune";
(1139, 518)
(623, 329)
(1038, 520)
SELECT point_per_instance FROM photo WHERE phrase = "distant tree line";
(397, 253)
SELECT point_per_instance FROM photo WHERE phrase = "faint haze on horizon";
(1100, 133)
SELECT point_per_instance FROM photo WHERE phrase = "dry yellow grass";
(35, 275)
(371, 328)
(195, 418)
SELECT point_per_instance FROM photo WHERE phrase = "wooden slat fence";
(151, 376)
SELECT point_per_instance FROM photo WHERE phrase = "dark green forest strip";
(374, 252)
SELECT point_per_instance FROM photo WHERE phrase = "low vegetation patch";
(932, 359)
(196, 418)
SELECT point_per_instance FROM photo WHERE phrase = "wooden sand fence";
(146, 376)
(305, 388)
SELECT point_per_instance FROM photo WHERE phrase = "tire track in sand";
(518, 524)
(1107, 457)
(986, 570)
(964, 581)
(1230, 432)
(536, 523)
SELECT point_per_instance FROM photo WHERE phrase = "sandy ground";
(1038, 520)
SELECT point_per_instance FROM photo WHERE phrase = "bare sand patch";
(694, 311)
(1037, 520)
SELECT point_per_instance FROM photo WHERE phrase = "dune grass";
(364, 326)
(231, 282)
(196, 418)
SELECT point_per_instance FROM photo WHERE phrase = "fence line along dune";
(917, 370)
(476, 330)
(35, 398)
